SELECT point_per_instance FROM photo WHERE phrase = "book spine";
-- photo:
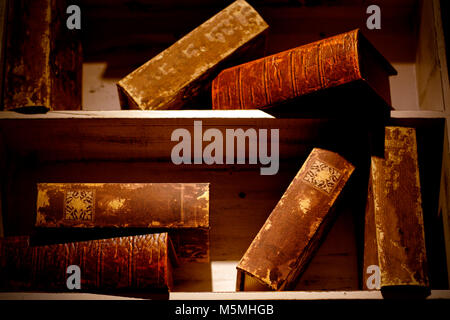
(290, 236)
(43, 58)
(185, 69)
(3, 19)
(288, 74)
(398, 215)
(145, 205)
(133, 263)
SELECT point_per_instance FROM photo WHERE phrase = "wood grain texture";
(398, 215)
(146, 205)
(292, 233)
(128, 263)
(329, 63)
(178, 73)
(43, 57)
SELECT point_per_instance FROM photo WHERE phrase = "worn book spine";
(135, 263)
(3, 19)
(43, 57)
(182, 71)
(292, 233)
(144, 205)
(398, 217)
(340, 60)
(180, 208)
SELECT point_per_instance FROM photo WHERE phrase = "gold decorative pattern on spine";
(322, 176)
(79, 205)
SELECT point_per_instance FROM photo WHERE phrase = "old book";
(182, 71)
(345, 62)
(128, 264)
(292, 233)
(3, 18)
(397, 217)
(43, 57)
(182, 209)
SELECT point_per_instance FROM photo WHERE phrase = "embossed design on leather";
(322, 176)
(79, 205)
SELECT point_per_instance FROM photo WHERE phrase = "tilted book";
(395, 235)
(346, 61)
(182, 209)
(292, 233)
(185, 69)
(134, 264)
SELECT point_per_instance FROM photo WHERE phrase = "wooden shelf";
(135, 146)
(284, 295)
(105, 144)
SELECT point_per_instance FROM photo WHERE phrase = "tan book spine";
(180, 72)
(398, 216)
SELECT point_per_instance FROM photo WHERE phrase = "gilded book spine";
(287, 241)
(127, 263)
(145, 205)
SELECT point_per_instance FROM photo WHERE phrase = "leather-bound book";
(182, 209)
(185, 69)
(397, 217)
(343, 62)
(289, 238)
(129, 264)
(43, 58)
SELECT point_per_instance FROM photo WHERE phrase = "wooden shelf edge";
(293, 295)
(185, 114)
(59, 296)
(140, 114)
(418, 114)
(267, 295)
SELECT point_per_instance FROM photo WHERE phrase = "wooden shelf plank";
(266, 295)
(141, 114)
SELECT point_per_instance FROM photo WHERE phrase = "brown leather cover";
(292, 233)
(182, 209)
(184, 70)
(145, 205)
(43, 57)
(397, 216)
(330, 63)
(129, 263)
